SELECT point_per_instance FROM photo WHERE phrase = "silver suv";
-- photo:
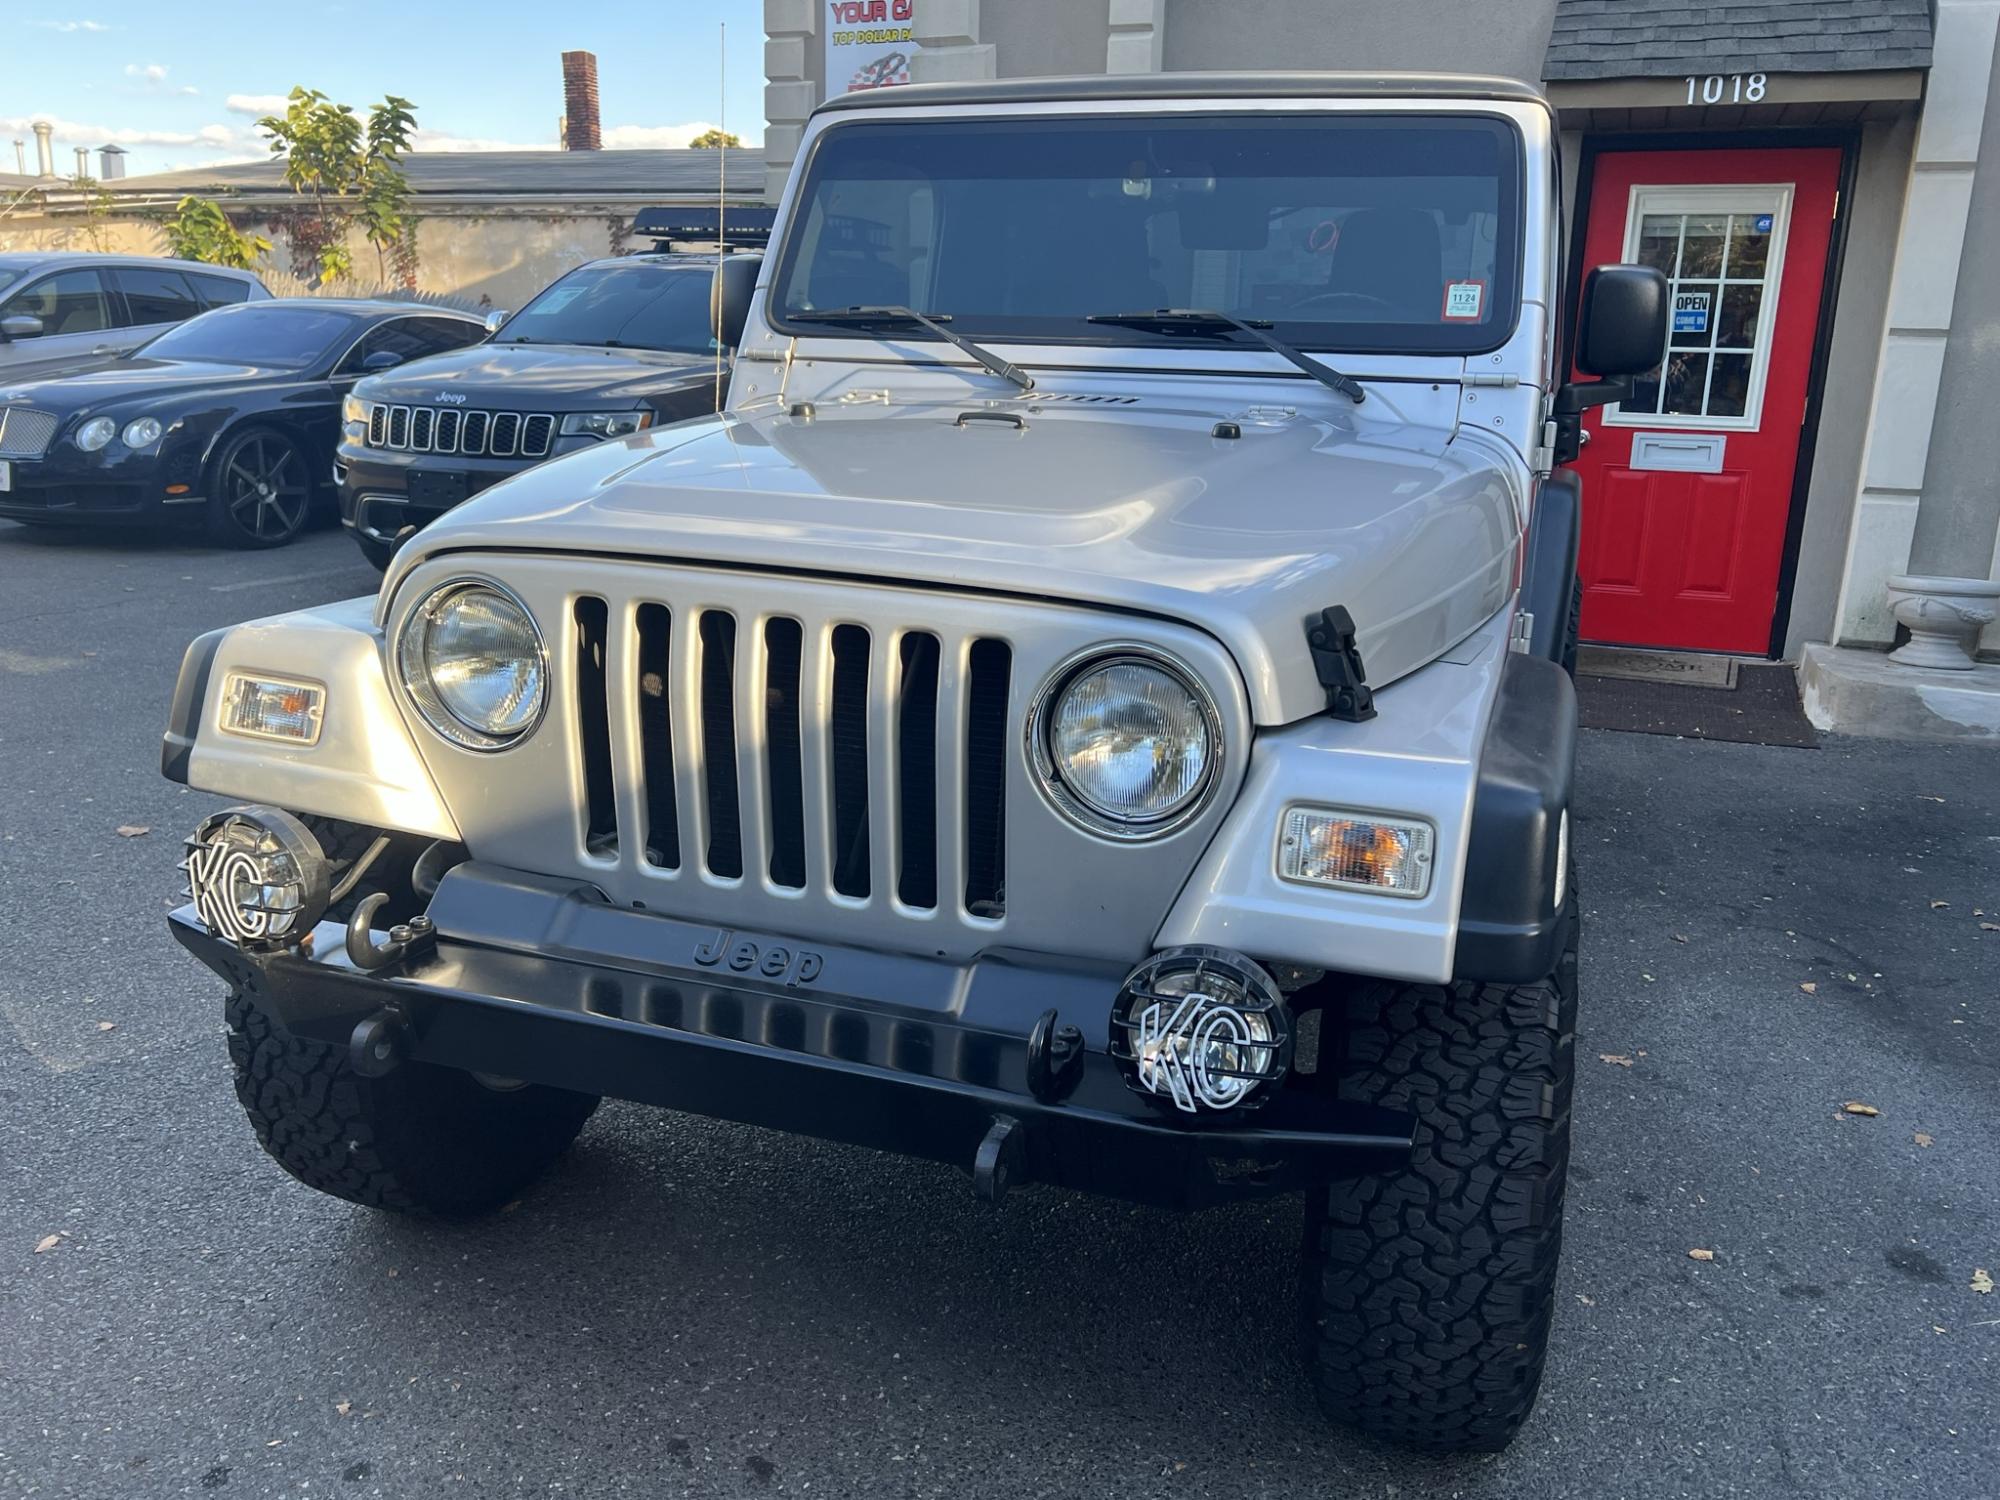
(63, 308)
(1091, 708)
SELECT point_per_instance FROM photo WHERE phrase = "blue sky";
(182, 84)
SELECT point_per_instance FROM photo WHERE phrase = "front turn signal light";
(271, 708)
(1356, 851)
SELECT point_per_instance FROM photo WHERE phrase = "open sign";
(1691, 311)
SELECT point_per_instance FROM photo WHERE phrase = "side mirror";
(382, 359)
(20, 326)
(496, 320)
(729, 300)
(1621, 331)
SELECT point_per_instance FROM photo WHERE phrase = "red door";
(1688, 486)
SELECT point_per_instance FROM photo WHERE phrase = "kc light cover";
(270, 708)
(1355, 851)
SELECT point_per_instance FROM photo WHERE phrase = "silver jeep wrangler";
(1091, 708)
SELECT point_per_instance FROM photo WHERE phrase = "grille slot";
(656, 736)
(916, 770)
(422, 421)
(472, 436)
(784, 759)
(847, 760)
(399, 427)
(378, 425)
(535, 434)
(718, 744)
(444, 437)
(504, 433)
(600, 816)
(991, 662)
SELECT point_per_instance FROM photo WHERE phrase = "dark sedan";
(228, 420)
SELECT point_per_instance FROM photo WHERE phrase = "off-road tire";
(1428, 1293)
(423, 1140)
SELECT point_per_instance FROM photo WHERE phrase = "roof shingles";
(1649, 39)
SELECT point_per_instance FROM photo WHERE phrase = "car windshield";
(1369, 232)
(633, 306)
(285, 336)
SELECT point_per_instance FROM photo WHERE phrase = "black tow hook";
(379, 1043)
(406, 939)
(1055, 1059)
(1002, 1158)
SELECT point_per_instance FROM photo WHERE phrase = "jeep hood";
(532, 377)
(1138, 507)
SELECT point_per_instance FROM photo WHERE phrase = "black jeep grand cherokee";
(612, 348)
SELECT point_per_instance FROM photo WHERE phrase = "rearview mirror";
(496, 320)
(20, 326)
(729, 298)
(1621, 331)
(382, 359)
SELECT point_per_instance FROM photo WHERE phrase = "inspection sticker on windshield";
(1463, 300)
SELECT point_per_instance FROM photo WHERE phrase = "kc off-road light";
(474, 664)
(257, 876)
(1125, 741)
(272, 708)
(1355, 851)
(1201, 1028)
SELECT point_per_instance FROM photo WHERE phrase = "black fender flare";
(1548, 574)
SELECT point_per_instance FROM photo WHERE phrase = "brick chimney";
(582, 130)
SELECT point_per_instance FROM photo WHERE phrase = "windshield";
(284, 336)
(1341, 232)
(633, 306)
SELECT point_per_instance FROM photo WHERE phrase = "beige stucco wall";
(490, 257)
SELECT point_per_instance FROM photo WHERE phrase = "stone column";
(1137, 38)
(948, 45)
(790, 87)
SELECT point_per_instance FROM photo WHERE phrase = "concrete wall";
(495, 258)
(1035, 41)
(1472, 36)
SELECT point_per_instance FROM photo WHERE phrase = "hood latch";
(1337, 664)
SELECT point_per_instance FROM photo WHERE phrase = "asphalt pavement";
(690, 1308)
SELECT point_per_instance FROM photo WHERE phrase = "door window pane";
(1749, 244)
(1687, 376)
(1729, 386)
(1645, 393)
(155, 296)
(220, 291)
(1736, 327)
(1692, 320)
(1701, 245)
(1660, 242)
(67, 302)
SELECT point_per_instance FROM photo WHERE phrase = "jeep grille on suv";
(447, 429)
(783, 729)
(25, 433)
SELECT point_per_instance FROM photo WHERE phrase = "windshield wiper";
(882, 317)
(1198, 320)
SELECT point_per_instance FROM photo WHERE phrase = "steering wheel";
(1328, 297)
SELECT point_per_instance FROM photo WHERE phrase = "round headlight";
(143, 433)
(474, 664)
(1127, 743)
(95, 433)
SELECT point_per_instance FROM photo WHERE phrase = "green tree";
(348, 169)
(710, 139)
(199, 230)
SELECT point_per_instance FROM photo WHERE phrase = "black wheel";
(260, 490)
(378, 553)
(422, 1140)
(1428, 1293)
(1573, 629)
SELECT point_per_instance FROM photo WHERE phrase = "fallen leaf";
(1922, 1139)
(1810, 988)
(47, 1243)
(90, 653)
(1981, 1282)
(1701, 1255)
(275, 1443)
(1647, 977)
(132, 830)
(107, 1025)
(343, 1407)
(1940, 906)
(1586, 1301)
(1855, 1107)
(1922, 798)
(1680, 937)
(1989, 926)
(1618, 1059)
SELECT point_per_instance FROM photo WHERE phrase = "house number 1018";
(1742, 88)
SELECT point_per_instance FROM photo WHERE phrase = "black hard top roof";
(1141, 86)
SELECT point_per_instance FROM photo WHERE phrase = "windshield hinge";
(1337, 664)
(1505, 382)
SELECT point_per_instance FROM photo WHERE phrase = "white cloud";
(151, 72)
(187, 89)
(257, 105)
(616, 138)
(74, 26)
(80, 133)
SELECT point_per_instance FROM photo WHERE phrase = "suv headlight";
(1126, 741)
(474, 664)
(96, 433)
(605, 424)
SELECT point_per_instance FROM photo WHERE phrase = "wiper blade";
(1200, 319)
(881, 317)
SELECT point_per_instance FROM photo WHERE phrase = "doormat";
(1691, 668)
(1762, 709)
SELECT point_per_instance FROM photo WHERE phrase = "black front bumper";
(381, 491)
(539, 980)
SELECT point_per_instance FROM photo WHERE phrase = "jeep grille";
(449, 429)
(780, 740)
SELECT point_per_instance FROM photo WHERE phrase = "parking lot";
(695, 1308)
